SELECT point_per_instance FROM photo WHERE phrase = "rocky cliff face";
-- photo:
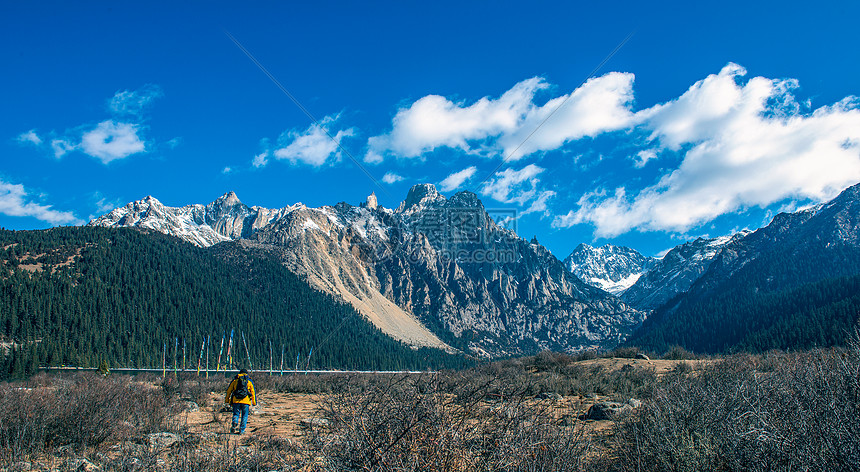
(611, 268)
(435, 271)
(676, 272)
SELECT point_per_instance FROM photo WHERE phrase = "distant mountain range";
(646, 283)
(787, 285)
(433, 272)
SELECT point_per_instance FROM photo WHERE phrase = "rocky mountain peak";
(610, 268)
(465, 199)
(677, 271)
(225, 203)
(228, 199)
(421, 196)
(371, 202)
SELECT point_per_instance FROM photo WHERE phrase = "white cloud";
(13, 202)
(110, 141)
(261, 160)
(706, 108)
(227, 170)
(434, 121)
(456, 180)
(313, 146)
(600, 105)
(744, 145)
(61, 147)
(391, 177)
(506, 126)
(539, 205)
(102, 205)
(30, 137)
(134, 102)
(514, 186)
(643, 156)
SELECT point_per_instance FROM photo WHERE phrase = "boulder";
(642, 357)
(313, 422)
(160, 440)
(610, 410)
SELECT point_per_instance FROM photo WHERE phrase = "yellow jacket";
(251, 399)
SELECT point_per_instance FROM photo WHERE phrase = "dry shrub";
(84, 411)
(198, 389)
(410, 423)
(678, 353)
(802, 413)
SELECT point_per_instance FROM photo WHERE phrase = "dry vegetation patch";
(772, 412)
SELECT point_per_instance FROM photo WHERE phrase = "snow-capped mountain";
(610, 268)
(676, 271)
(433, 272)
(225, 219)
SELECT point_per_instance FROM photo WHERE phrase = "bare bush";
(413, 423)
(803, 413)
(678, 353)
(84, 411)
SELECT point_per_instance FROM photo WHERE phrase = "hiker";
(240, 395)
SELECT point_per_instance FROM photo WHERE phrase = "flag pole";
(208, 339)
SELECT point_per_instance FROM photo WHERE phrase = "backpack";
(241, 391)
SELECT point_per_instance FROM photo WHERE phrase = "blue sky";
(707, 120)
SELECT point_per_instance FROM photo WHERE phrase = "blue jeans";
(240, 410)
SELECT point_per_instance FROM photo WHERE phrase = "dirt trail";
(276, 414)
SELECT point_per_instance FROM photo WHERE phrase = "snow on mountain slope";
(676, 271)
(610, 268)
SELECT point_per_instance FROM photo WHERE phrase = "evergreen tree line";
(796, 298)
(125, 296)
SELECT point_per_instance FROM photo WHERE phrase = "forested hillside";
(80, 296)
(741, 319)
